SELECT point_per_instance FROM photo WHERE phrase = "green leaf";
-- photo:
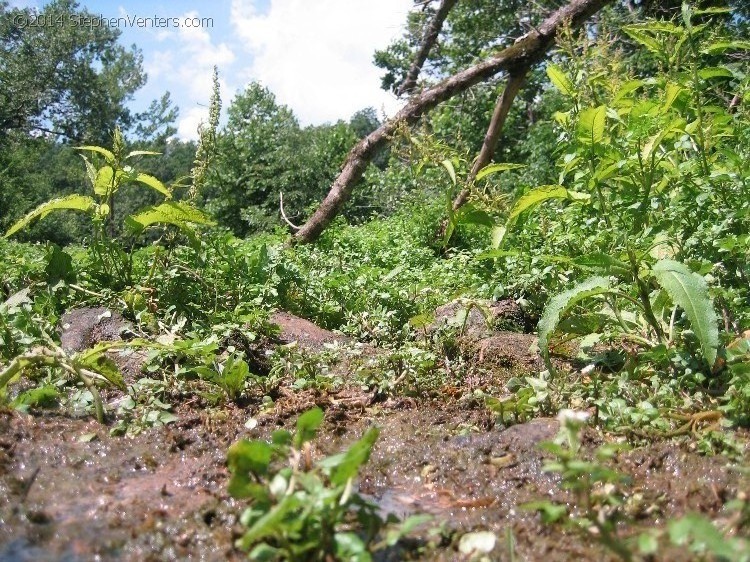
(468, 214)
(307, 426)
(103, 184)
(721, 46)
(177, 213)
(562, 303)
(95, 360)
(715, 72)
(245, 458)
(448, 165)
(591, 124)
(153, 183)
(627, 88)
(281, 437)
(550, 512)
(16, 299)
(638, 35)
(560, 80)
(103, 151)
(701, 535)
(421, 320)
(43, 396)
(604, 262)
(142, 153)
(265, 553)
(70, 202)
(349, 546)
(497, 237)
(495, 168)
(689, 291)
(270, 523)
(670, 95)
(345, 466)
(536, 196)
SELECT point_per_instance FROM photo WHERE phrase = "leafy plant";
(106, 181)
(639, 173)
(305, 509)
(87, 366)
(231, 376)
(593, 484)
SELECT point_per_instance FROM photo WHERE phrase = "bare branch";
(283, 214)
(528, 50)
(516, 79)
(429, 40)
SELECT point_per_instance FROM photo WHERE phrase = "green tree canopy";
(58, 75)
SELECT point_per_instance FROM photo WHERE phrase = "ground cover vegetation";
(592, 295)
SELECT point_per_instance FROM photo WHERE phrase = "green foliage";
(71, 202)
(231, 377)
(74, 79)
(304, 510)
(110, 259)
(601, 504)
(563, 302)
(690, 292)
(647, 166)
(263, 152)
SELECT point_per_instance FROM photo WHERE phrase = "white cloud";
(187, 125)
(182, 61)
(316, 56)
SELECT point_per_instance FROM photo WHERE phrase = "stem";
(645, 301)
(698, 103)
(612, 304)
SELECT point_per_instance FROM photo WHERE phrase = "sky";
(314, 55)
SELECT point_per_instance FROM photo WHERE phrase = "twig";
(283, 214)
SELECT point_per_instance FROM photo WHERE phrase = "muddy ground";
(161, 495)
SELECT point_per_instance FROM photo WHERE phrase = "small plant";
(106, 181)
(601, 504)
(86, 366)
(231, 376)
(306, 510)
(595, 486)
(143, 408)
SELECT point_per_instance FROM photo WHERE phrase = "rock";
(484, 317)
(307, 335)
(507, 350)
(83, 328)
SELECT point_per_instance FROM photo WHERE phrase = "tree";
(156, 125)
(62, 77)
(526, 51)
(263, 153)
(255, 158)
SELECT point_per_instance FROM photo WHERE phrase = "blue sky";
(315, 55)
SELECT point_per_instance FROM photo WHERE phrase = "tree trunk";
(430, 38)
(527, 50)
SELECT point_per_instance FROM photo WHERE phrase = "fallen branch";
(516, 79)
(528, 50)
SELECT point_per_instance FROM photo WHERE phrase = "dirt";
(161, 495)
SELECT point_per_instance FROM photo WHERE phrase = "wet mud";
(71, 492)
